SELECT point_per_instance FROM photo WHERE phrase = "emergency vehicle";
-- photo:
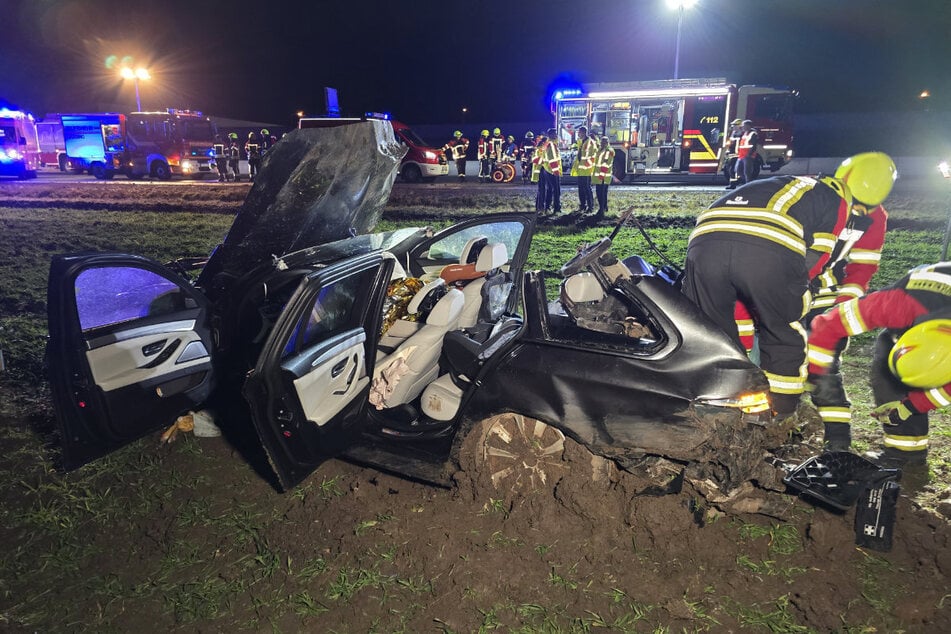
(675, 126)
(94, 142)
(19, 147)
(173, 142)
(421, 162)
(49, 131)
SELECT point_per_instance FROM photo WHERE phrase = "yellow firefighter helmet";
(869, 176)
(457, 133)
(497, 131)
(922, 355)
(485, 133)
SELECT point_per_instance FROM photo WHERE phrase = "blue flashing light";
(386, 116)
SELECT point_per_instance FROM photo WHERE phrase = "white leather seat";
(400, 376)
(582, 287)
(491, 258)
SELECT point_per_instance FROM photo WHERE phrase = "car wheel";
(98, 170)
(411, 173)
(62, 162)
(160, 171)
(519, 454)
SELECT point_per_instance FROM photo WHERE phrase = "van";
(19, 145)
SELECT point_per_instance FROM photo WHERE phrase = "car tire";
(62, 162)
(98, 170)
(411, 173)
(161, 171)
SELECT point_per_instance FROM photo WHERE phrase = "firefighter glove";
(892, 413)
(184, 423)
(826, 389)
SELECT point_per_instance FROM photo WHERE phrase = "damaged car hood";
(315, 186)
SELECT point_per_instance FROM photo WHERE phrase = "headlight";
(945, 169)
(430, 155)
(11, 153)
(750, 403)
(187, 166)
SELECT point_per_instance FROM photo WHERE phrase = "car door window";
(450, 248)
(111, 295)
(336, 308)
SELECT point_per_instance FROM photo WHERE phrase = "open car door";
(309, 390)
(129, 351)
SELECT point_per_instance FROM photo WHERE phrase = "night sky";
(424, 60)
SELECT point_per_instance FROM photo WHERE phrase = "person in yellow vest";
(603, 175)
(550, 161)
(540, 144)
(583, 168)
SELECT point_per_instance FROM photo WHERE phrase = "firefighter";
(603, 175)
(485, 162)
(510, 150)
(746, 155)
(550, 163)
(757, 245)
(729, 152)
(526, 152)
(457, 147)
(911, 363)
(586, 151)
(234, 157)
(857, 252)
(221, 160)
(497, 146)
(253, 151)
(266, 141)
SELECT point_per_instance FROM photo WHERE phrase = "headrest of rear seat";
(583, 287)
(492, 256)
(447, 309)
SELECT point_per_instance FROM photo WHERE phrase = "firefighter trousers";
(771, 279)
(552, 191)
(461, 167)
(907, 440)
(585, 197)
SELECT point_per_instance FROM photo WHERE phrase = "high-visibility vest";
(551, 158)
(747, 144)
(584, 161)
(604, 166)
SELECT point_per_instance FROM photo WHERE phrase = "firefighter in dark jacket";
(221, 158)
(253, 150)
(234, 157)
(757, 245)
(527, 151)
(911, 364)
(457, 148)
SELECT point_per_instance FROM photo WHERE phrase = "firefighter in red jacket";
(911, 366)
(757, 245)
(484, 150)
(457, 148)
(527, 151)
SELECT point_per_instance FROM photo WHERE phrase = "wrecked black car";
(400, 350)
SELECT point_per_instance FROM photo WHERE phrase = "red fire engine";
(676, 127)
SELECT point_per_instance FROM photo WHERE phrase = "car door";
(309, 390)
(129, 351)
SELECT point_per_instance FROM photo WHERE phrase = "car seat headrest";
(492, 256)
(582, 287)
(471, 250)
(428, 294)
(447, 309)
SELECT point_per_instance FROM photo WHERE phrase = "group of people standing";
(789, 259)
(541, 162)
(228, 155)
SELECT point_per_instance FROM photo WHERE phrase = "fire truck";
(94, 142)
(19, 148)
(52, 143)
(173, 142)
(675, 127)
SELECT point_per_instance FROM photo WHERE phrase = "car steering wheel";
(588, 254)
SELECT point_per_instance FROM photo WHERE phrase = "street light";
(679, 5)
(135, 76)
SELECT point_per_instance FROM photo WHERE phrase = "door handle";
(337, 369)
(353, 375)
(152, 348)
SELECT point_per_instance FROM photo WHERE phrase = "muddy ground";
(356, 550)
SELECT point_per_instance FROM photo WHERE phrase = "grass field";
(145, 540)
